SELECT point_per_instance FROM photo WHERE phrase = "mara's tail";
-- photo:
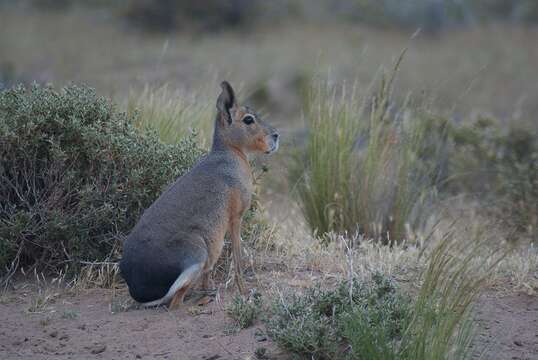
(186, 278)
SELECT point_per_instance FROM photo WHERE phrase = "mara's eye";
(248, 119)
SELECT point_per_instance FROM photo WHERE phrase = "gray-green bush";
(245, 310)
(500, 164)
(75, 175)
(334, 324)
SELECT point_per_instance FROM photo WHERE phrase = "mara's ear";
(226, 101)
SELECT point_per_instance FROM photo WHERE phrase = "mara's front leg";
(207, 283)
(235, 235)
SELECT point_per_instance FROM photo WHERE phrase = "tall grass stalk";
(329, 157)
(361, 168)
(441, 324)
(173, 115)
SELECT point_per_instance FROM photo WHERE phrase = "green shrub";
(245, 311)
(75, 175)
(501, 165)
(296, 326)
(325, 324)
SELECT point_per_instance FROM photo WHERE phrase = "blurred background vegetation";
(371, 141)
(470, 55)
(402, 121)
(212, 15)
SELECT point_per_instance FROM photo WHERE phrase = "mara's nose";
(275, 136)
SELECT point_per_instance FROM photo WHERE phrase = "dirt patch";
(83, 326)
(95, 324)
(507, 327)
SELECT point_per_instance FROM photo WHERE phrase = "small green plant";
(322, 323)
(70, 314)
(119, 304)
(231, 329)
(441, 326)
(245, 311)
(374, 329)
(260, 353)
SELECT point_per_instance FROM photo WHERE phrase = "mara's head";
(240, 127)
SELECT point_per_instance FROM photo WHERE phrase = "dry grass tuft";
(41, 300)
(362, 168)
(173, 114)
(98, 275)
(304, 259)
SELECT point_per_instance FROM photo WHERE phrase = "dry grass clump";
(305, 259)
(455, 273)
(377, 166)
(173, 114)
(365, 168)
(98, 275)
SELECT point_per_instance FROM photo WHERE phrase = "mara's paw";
(201, 297)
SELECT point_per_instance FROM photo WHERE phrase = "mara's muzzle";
(272, 143)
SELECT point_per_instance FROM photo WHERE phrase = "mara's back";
(180, 236)
(180, 227)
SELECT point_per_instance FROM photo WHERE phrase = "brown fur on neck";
(239, 153)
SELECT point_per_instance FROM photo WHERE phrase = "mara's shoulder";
(215, 163)
(218, 159)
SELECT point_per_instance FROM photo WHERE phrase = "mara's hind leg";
(207, 284)
(206, 293)
(177, 300)
(182, 285)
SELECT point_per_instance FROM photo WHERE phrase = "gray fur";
(184, 228)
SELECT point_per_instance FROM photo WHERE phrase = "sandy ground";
(93, 324)
(507, 327)
(84, 326)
